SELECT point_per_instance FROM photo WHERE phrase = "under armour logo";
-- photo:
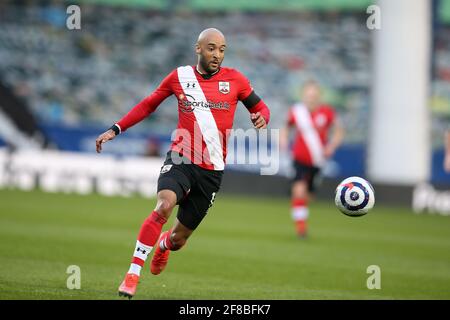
(141, 250)
(189, 85)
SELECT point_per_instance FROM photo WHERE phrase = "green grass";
(244, 249)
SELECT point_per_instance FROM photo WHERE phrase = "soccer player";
(312, 121)
(191, 175)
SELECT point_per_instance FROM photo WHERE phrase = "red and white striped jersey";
(312, 129)
(206, 108)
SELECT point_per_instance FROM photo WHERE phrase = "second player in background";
(312, 121)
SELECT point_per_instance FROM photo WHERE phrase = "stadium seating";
(121, 54)
(95, 75)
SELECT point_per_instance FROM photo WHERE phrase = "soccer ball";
(354, 197)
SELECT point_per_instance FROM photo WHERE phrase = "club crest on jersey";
(224, 87)
(166, 168)
(320, 120)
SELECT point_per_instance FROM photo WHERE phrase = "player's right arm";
(259, 112)
(337, 137)
(139, 112)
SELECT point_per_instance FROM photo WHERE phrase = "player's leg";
(191, 212)
(302, 194)
(300, 212)
(170, 240)
(148, 235)
(151, 228)
(173, 184)
(176, 237)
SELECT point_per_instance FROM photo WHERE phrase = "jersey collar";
(206, 76)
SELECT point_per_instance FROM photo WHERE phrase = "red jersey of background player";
(206, 107)
(312, 132)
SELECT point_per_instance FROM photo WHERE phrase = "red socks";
(300, 226)
(165, 243)
(300, 214)
(148, 235)
(151, 229)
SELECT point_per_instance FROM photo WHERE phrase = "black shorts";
(195, 187)
(306, 173)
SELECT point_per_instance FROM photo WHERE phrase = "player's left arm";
(338, 133)
(284, 131)
(259, 112)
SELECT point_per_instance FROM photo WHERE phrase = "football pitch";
(244, 249)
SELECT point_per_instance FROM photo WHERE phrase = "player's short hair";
(311, 83)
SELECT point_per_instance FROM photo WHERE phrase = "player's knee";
(299, 195)
(300, 191)
(164, 207)
(178, 240)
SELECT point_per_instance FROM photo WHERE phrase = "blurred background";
(60, 88)
(68, 73)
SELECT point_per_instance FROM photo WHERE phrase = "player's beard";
(206, 65)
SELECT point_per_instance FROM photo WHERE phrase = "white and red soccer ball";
(354, 196)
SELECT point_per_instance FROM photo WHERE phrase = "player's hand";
(258, 120)
(106, 136)
(328, 151)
